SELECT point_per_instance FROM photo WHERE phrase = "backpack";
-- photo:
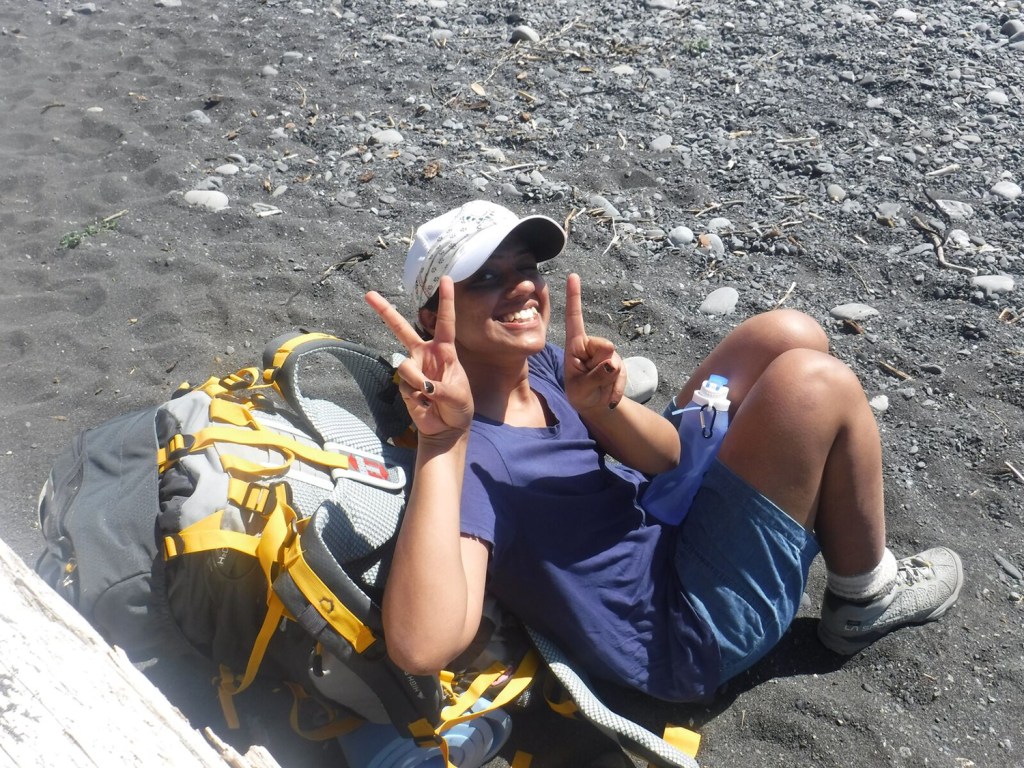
(251, 519)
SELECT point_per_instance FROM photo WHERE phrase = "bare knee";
(816, 379)
(786, 329)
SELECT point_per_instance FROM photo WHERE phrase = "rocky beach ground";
(181, 181)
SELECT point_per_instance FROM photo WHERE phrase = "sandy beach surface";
(181, 181)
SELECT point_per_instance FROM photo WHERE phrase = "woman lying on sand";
(532, 467)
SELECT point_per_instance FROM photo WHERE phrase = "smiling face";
(502, 310)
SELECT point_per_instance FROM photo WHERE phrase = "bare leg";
(744, 354)
(806, 438)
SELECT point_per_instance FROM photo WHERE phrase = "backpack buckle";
(242, 379)
(179, 446)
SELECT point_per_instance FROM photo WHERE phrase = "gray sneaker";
(926, 586)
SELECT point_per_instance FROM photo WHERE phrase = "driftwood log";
(68, 699)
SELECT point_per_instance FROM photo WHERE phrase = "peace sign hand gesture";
(595, 377)
(432, 380)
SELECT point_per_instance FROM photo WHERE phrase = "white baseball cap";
(457, 243)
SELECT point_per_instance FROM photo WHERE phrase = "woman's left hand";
(595, 377)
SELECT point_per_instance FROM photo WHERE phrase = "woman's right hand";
(432, 380)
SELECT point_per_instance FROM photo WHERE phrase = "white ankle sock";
(865, 586)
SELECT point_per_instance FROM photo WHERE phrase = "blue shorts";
(742, 562)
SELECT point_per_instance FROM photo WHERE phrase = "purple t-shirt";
(574, 555)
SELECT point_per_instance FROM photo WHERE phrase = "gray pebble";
(710, 242)
(524, 34)
(1006, 190)
(853, 311)
(835, 193)
(955, 209)
(993, 284)
(211, 182)
(719, 224)
(879, 403)
(609, 210)
(934, 368)
(660, 73)
(440, 37)
(168, 3)
(268, 71)
(196, 117)
(661, 143)
(228, 169)
(641, 378)
(998, 97)
(386, 137)
(720, 302)
(1011, 570)
(207, 198)
(1012, 27)
(680, 236)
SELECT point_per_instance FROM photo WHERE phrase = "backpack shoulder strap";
(289, 359)
(631, 737)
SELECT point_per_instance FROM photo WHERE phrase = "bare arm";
(595, 379)
(434, 594)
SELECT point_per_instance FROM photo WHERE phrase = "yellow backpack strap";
(336, 725)
(682, 739)
(206, 535)
(558, 698)
(326, 603)
(426, 736)
(519, 681)
(521, 760)
(290, 346)
(181, 445)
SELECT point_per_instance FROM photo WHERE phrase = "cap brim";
(543, 235)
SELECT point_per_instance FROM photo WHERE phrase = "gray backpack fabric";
(251, 519)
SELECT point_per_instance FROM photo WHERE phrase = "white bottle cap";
(714, 393)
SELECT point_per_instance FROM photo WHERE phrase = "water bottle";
(702, 426)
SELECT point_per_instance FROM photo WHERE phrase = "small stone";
(623, 70)
(721, 301)
(641, 378)
(607, 209)
(1006, 190)
(680, 236)
(835, 193)
(440, 37)
(711, 243)
(168, 3)
(955, 209)
(524, 34)
(993, 284)
(904, 15)
(386, 137)
(268, 71)
(661, 143)
(197, 117)
(853, 311)
(719, 224)
(1012, 27)
(998, 97)
(1011, 570)
(879, 403)
(228, 169)
(207, 198)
